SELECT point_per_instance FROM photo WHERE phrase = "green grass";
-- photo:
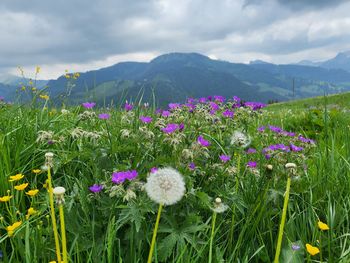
(116, 224)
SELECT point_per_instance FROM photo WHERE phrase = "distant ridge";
(176, 76)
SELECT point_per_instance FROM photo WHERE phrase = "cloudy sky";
(80, 35)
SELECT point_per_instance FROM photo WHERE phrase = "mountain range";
(176, 76)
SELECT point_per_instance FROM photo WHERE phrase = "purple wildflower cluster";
(120, 177)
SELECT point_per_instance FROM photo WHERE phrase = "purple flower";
(120, 177)
(267, 156)
(236, 99)
(225, 158)
(128, 107)
(295, 148)
(251, 164)
(228, 114)
(250, 151)
(89, 105)
(191, 100)
(166, 113)
(261, 129)
(50, 142)
(202, 141)
(202, 100)
(190, 107)
(290, 134)
(192, 166)
(146, 119)
(275, 129)
(181, 127)
(174, 105)
(306, 140)
(219, 99)
(96, 188)
(1, 98)
(295, 247)
(209, 98)
(214, 106)
(154, 169)
(255, 105)
(104, 116)
(170, 128)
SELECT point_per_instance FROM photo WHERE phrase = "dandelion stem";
(212, 238)
(230, 240)
(63, 234)
(283, 220)
(150, 255)
(53, 217)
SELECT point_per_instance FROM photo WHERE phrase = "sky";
(81, 35)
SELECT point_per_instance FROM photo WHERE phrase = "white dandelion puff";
(165, 186)
(219, 207)
(240, 139)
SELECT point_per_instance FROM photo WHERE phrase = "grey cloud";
(300, 4)
(82, 31)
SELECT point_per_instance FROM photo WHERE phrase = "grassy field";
(247, 184)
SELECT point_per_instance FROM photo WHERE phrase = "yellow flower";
(46, 184)
(37, 69)
(36, 171)
(16, 177)
(32, 192)
(21, 187)
(44, 97)
(5, 198)
(312, 250)
(31, 211)
(10, 229)
(322, 226)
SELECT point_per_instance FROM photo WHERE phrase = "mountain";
(340, 61)
(13, 80)
(176, 76)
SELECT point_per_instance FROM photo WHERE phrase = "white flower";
(240, 139)
(219, 207)
(165, 186)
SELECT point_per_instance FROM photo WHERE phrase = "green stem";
(63, 233)
(212, 238)
(230, 239)
(53, 217)
(150, 255)
(283, 220)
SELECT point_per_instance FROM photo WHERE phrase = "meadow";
(211, 180)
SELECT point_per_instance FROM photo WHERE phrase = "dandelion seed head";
(240, 139)
(165, 186)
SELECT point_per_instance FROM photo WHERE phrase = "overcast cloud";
(82, 35)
